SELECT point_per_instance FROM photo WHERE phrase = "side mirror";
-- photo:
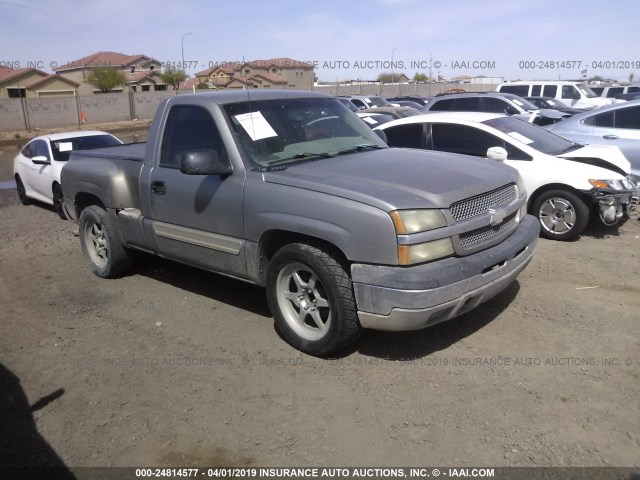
(511, 110)
(497, 153)
(203, 161)
(41, 160)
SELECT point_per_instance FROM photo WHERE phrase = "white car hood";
(604, 156)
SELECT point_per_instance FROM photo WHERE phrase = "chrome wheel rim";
(303, 301)
(557, 215)
(96, 241)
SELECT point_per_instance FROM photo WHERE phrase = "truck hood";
(395, 178)
(603, 156)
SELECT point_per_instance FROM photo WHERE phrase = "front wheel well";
(554, 186)
(273, 240)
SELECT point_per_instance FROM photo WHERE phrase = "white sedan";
(565, 181)
(37, 167)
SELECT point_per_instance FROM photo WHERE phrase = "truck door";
(196, 218)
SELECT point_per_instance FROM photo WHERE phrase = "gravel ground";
(174, 366)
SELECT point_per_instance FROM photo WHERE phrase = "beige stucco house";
(280, 73)
(142, 72)
(33, 83)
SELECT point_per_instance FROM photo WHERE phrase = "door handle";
(159, 188)
(610, 137)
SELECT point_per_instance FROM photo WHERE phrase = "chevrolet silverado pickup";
(292, 191)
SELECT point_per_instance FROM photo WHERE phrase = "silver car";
(617, 124)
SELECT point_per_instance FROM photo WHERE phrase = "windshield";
(586, 90)
(62, 148)
(285, 131)
(531, 135)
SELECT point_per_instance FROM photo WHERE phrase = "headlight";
(424, 252)
(521, 188)
(414, 221)
(623, 184)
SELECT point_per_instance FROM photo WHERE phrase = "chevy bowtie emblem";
(497, 216)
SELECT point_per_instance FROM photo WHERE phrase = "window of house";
(160, 88)
(247, 71)
(134, 88)
(189, 128)
(133, 69)
(17, 92)
(146, 88)
(151, 67)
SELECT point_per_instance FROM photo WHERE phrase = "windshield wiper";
(573, 147)
(360, 148)
(299, 156)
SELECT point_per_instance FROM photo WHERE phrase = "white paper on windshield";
(65, 146)
(370, 120)
(520, 137)
(256, 125)
(517, 102)
(549, 102)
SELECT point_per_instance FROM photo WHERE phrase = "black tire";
(58, 201)
(311, 298)
(562, 214)
(102, 244)
(22, 192)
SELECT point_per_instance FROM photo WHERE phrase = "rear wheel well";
(84, 200)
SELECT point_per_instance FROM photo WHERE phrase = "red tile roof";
(103, 59)
(53, 76)
(7, 73)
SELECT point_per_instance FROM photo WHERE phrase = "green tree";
(202, 85)
(173, 77)
(106, 79)
(420, 77)
(387, 77)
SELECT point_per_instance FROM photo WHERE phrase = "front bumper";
(411, 298)
(613, 205)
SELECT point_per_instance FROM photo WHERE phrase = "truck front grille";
(481, 204)
(485, 234)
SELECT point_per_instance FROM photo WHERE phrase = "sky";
(516, 39)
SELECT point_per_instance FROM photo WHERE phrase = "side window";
(550, 91)
(441, 106)
(189, 128)
(27, 151)
(405, 136)
(520, 90)
(359, 103)
(495, 105)
(463, 139)
(514, 153)
(601, 120)
(41, 149)
(466, 104)
(535, 90)
(628, 118)
(613, 91)
(570, 92)
(633, 89)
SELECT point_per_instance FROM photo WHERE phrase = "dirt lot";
(173, 366)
